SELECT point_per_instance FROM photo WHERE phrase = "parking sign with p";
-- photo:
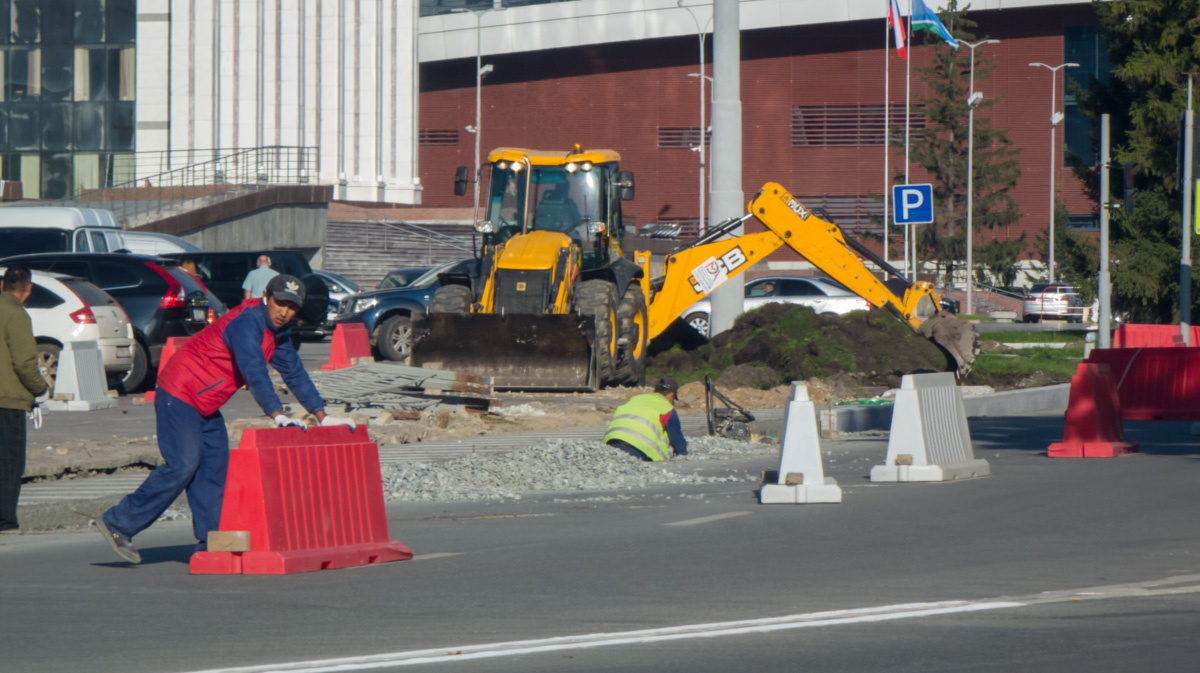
(912, 204)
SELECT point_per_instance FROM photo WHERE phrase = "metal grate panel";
(850, 125)
(439, 136)
(522, 292)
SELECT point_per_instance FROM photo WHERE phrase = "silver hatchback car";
(820, 294)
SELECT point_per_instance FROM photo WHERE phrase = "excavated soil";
(780, 343)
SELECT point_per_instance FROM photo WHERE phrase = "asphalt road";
(920, 577)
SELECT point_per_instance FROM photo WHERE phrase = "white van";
(150, 243)
(30, 229)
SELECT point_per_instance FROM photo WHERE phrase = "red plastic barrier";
(309, 500)
(1093, 428)
(351, 345)
(169, 349)
(1151, 336)
(1154, 383)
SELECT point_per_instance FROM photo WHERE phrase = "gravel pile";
(554, 465)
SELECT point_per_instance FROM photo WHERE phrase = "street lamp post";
(973, 101)
(1055, 118)
(480, 72)
(700, 32)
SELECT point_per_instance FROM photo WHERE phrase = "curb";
(1005, 403)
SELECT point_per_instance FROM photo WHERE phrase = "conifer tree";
(941, 149)
(1152, 48)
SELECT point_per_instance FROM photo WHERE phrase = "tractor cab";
(573, 193)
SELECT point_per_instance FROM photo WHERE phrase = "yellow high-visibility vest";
(638, 423)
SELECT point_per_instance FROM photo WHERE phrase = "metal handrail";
(151, 197)
(410, 227)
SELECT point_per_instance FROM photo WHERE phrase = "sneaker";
(119, 543)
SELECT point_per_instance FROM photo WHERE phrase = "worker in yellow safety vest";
(647, 426)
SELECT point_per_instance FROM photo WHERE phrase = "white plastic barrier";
(929, 440)
(801, 478)
(80, 384)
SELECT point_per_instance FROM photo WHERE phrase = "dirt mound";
(780, 343)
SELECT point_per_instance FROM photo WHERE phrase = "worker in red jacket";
(232, 352)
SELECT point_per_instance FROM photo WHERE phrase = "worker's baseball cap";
(666, 385)
(286, 288)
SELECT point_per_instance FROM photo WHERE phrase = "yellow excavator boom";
(692, 273)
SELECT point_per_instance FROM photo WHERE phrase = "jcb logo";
(798, 208)
(714, 271)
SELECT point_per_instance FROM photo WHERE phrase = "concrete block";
(80, 375)
(929, 439)
(229, 540)
(801, 478)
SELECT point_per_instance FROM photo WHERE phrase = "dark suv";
(387, 313)
(224, 272)
(158, 304)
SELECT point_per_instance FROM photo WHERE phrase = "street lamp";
(480, 72)
(700, 32)
(973, 101)
(1055, 118)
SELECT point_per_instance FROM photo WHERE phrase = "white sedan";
(820, 294)
(63, 309)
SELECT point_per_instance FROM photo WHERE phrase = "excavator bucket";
(524, 352)
(956, 337)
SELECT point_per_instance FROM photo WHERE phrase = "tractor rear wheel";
(631, 334)
(598, 299)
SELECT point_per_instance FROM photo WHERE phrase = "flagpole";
(910, 263)
(887, 131)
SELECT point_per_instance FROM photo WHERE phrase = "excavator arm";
(692, 273)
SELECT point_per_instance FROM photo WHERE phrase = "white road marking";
(445, 554)
(1179, 584)
(707, 519)
(718, 629)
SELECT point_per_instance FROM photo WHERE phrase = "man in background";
(256, 281)
(20, 382)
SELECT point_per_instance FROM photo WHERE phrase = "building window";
(851, 125)
(1088, 222)
(67, 84)
(438, 137)
(859, 212)
(1083, 45)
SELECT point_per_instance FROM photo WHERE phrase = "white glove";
(43, 398)
(330, 420)
(35, 415)
(287, 421)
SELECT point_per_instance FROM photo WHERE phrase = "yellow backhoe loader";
(557, 306)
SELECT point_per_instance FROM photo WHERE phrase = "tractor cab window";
(568, 200)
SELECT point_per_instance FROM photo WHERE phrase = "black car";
(387, 313)
(158, 303)
(224, 272)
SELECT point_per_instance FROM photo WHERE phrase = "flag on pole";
(924, 18)
(897, 21)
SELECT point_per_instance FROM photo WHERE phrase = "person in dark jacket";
(193, 385)
(20, 383)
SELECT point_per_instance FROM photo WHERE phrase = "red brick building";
(812, 97)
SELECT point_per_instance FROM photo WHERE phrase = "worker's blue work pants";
(196, 451)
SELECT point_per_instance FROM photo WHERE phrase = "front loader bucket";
(519, 352)
(957, 337)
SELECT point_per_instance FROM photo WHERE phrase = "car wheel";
(137, 373)
(47, 359)
(699, 322)
(395, 338)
